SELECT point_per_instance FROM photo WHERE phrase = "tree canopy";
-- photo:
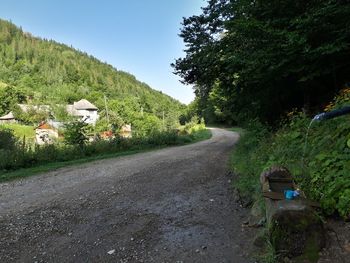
(251, 59)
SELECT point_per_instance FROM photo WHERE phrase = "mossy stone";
(297, 234)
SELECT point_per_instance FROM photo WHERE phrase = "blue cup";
(289, 194)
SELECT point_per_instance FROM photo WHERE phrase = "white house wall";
(89, 116)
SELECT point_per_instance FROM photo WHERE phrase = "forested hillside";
(39, 71)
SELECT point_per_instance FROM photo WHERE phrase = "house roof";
(8, 116)
(71, 110)
(84, 105)
(28, 107)
(45, 125)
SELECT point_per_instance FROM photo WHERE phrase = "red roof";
(45, 126)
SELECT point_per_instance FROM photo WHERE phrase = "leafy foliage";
(75, 133)
(32, 116)
(7, 139)
(259, 59)
(9, 97)
(320, 165)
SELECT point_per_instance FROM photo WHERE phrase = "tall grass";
(20, 155)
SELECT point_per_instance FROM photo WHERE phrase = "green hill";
(46, 72)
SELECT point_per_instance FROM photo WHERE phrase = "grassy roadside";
(241, 164)
(319, 163)
(201, 135)
(316, 153)
(239, 130)
(248, 187)
(26, 172)
(247, 167)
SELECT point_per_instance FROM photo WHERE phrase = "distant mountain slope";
(50, 72)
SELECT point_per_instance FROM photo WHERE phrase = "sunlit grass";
(20, 130)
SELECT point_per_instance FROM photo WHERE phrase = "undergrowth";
(15, 155)
(322, 168)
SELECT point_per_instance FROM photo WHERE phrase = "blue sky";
(137, 36)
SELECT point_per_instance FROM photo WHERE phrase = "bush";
(193, 126)
(75, 133)
(320, 165)
(17, 156)
(8, 140)
(164, 138)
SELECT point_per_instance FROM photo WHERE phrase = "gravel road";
(169, 205)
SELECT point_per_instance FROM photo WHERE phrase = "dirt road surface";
(170, 205)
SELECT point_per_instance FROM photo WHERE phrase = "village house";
(8, 118)
(85, 110)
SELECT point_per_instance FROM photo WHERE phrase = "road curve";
(169, 205)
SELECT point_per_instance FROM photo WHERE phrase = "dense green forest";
(40, 71)
(261, 59)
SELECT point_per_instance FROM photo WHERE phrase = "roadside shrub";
(46, 153)
(194, 126)
(319, 162)
(165, 138)
(20, 156)
(249, 158)
(75, 133)
(146, 124)
(184, 139)
(11, 152)
(8, 140)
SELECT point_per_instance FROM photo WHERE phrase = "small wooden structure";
(8, 118)
(295, 228)
(45, 133)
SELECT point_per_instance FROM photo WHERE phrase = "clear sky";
(137, 36)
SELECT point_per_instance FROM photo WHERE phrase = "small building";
(8, 118)
(45, 134)
(85, 110)
(125, 131)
